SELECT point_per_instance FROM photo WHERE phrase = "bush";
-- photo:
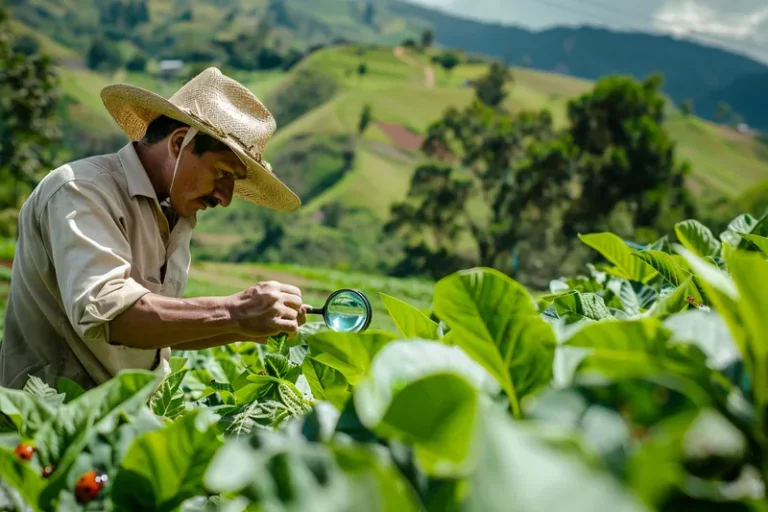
(305, 90)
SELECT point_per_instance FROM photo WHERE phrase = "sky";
(740, 26)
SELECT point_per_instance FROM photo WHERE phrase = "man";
(104, 243)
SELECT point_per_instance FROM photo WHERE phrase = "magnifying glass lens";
(346, 312)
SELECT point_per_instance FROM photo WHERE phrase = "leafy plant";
(639, 385)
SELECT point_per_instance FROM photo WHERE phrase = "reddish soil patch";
(401, 136)
(6, 263)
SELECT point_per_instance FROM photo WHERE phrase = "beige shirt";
(93, 239)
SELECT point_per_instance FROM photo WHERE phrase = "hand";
(268, 309)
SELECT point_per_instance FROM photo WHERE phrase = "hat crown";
(227, 109)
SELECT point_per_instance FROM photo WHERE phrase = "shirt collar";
(135, 175)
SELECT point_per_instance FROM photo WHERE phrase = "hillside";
(231, 30)
(745, 97)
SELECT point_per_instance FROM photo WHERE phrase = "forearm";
(216, 341)
(156, 321)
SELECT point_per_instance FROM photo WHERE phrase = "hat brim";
(134, 108)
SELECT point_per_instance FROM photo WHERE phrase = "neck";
(151, 158)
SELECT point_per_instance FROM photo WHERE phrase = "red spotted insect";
(25, 451)
(89, 485)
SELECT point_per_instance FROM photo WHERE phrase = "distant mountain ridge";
(691, 70)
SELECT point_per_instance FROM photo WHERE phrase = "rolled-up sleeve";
(91, 255)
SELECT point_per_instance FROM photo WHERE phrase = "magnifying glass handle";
(315, 311)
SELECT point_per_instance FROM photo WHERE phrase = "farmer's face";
(202, 181)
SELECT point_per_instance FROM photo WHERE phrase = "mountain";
(745, 97)
(690, 70)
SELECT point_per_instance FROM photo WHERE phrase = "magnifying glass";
(346, 310)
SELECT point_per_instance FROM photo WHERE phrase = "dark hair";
(163, 126)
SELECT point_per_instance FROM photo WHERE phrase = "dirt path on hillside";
(429, 71)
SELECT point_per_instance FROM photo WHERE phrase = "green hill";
(316, 150)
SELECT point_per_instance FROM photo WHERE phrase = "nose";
(225, 188)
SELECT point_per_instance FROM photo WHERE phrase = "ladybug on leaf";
(89, 485)
(25, 451)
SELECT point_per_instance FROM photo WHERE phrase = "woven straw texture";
(217, 106)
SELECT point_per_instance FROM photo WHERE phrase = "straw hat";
(217, 106)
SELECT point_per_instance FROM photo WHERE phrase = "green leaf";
(70, 389)
(638, 348)
(326, 383)
(23, 413)
(676, 301)
(750, 275)
(663, 263)
(424, 393)
(760, 242)
(697, 238)
(35, 386)
(612, 248)
(62, 439)
(411, 322)
(278, 472)
(515, 471)
(21, 477)
(168, 400)
(494, 320)
(349, 353)
(165, 467)
(741, 225)
(582, 305)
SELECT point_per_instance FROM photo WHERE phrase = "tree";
(448, 60)
(490, 88)
(505, 167)
(362, 69)
(687, 107)
(427, 39)
(626, 157)
(723, 111)
(137, 63)
(30, 91)
(103, 55)
(365, 119)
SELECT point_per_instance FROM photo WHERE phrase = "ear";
(175, 140)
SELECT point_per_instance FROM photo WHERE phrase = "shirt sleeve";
(91, 255)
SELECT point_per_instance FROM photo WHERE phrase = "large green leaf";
(697, 238)
(639, 348)
(495, 321)
(760, 242)
(23, 413)
(21, 477)
(741, 225)
(63, 438)
(612, 248)
(165, 467)
(411, 322)
(326, 383)
(750, 275)
(517, 471)
(577, 305)
(424, 393)
(274, 471)
(349, 353)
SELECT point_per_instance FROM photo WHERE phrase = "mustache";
(210, 201)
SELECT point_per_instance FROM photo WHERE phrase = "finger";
(287, 313)
(302, 318)
(289, 327)
(292, 301)
(288, 288)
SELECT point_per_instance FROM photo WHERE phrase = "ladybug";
(89, 485)
(47, 470)
(25, 451)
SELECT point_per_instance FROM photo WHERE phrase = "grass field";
(220, 279)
